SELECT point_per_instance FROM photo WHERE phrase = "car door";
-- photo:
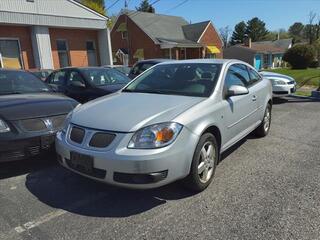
(238, 111)
(77, 88)
(258, 87)
(57, 80)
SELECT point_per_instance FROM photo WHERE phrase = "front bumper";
(133, 168)
(18, 149)
(283, 90)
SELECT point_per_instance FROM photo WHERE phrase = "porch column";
(170, 53)
(177, 53)
(105, 49)
(41, 46)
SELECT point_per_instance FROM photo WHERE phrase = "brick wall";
(76, 40)
(211, 37)
(24, 36)
(136, 39)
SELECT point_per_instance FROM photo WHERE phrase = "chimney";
(247, 41)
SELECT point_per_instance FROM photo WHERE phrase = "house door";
(257, 60)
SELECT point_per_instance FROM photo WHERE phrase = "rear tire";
(264, 127)
(204, 163)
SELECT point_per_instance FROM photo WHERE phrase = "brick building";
(141, 35)
(51, 34)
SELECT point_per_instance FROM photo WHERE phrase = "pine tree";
(238, 33)
(145, 6)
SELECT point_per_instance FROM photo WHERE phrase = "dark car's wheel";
(264, 127)
(203, 164)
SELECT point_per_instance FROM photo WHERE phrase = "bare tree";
(225, 35)
(312, 17)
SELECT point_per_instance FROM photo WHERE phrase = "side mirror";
(53, 88)
(236, 90)
(77, 84)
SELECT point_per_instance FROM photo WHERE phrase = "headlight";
(4, 127)
(278, 82)
(155, 136)
(67, 122)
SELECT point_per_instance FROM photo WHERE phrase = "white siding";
(59, 13)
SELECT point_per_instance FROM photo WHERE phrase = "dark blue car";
(87, 83)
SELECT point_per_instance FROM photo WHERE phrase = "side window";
(75, 76)
(135, 69)
(58, 78)
(254, 76)
(236, 76)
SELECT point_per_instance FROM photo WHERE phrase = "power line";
(175, 7)
(113, 4)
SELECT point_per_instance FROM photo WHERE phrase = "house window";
(265, 60)
(91, 52)
(124, 35)
(63, 53)
(166, 53)
(10, 55)
(210, 55)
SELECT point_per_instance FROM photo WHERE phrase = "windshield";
(105, 76)
(13, 82)
(192, 79)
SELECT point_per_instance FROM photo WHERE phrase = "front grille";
(77, 134)
(33, 125)
(38, 124)
(101, 140)
(141, 178)
(96, 173)
(34, 150)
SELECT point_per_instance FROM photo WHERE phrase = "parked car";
(143, 65)
(30, 115)
(282, 85)
(171, 122)
(121, 68)
(41, 73)
(85, 84)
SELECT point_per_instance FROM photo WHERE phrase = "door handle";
(254, 98)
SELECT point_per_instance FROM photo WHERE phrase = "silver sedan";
(170, 123)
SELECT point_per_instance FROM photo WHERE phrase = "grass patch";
(303, 93)
(310, 76)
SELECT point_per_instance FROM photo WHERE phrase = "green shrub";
(300, 56)
(314, 64)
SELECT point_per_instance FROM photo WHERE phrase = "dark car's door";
(77, 87)
(57, 80)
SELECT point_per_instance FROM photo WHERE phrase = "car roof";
(209, 61)
(156, 60)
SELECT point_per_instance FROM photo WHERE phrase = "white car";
(282, 85)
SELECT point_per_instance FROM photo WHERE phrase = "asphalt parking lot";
(264, 188)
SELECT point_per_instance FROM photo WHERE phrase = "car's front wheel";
(264, 127)
(204, 163)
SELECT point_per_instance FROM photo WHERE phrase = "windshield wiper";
(145, 91)
(8, 93)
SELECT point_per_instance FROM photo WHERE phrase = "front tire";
(264, 127)
(203, 164)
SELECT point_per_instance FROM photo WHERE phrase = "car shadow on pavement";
(294, 99)
(62, 189)
(21, 167)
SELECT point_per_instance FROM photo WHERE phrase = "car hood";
(128, 112)
(276, 75)
(24, 106)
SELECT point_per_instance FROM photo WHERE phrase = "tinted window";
(236, 76)
(58, 78)
(20, 82)
(75, 76)
(178, 79)
(254, 76)
(105, 76)
(141, 67)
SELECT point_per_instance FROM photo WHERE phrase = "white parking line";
(50, 216)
